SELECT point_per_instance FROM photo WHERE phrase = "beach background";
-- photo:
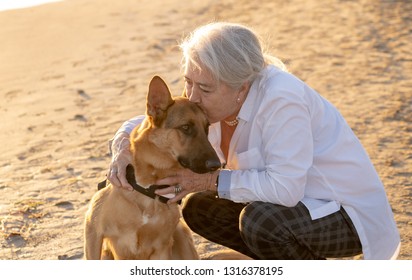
(72, 71)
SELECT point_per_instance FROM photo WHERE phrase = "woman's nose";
(193, 95)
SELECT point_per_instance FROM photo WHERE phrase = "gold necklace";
(232, 123)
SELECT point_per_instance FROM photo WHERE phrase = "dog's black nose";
(213, 164)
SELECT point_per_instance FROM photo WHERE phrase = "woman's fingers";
(117, 170)
(178, 192)
(112, 176)
(121, 175)
(171, 181)
(178, 197)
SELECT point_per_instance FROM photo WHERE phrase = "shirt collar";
(246, 111)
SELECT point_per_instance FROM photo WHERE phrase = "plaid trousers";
(268, 231)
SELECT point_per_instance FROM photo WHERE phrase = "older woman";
(295, 181)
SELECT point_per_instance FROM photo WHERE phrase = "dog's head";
(179, 128)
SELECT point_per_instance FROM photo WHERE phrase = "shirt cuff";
(223, 186)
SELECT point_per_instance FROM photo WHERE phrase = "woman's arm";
(121, 155)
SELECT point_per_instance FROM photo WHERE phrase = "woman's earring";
(238, 100)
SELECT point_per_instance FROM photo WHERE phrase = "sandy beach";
(71, 72)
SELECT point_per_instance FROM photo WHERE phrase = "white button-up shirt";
(292, 145)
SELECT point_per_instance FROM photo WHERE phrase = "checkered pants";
(269, 231)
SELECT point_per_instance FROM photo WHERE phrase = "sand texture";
(71, 72)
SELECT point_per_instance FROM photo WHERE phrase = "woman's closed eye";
(205, 89)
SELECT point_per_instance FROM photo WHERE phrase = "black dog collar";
(150, 191)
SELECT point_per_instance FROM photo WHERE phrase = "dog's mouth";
(200, 166)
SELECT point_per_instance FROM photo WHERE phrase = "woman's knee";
(267, 231)
(192, 205)
(260, 220)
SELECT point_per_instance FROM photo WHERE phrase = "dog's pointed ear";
(159, 99)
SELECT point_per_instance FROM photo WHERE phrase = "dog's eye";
(186, 129)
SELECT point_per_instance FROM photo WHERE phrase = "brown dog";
(130, 225)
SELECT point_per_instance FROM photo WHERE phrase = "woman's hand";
(120, 159)
(185, 182)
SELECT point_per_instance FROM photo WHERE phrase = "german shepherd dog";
(122, 224)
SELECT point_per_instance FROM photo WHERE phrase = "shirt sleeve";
(128, 125)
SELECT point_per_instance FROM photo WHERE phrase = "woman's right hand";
(120, 159)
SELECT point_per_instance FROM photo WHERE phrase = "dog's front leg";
(158, 249)
(161, 254)
(183, 245)
(92, 243)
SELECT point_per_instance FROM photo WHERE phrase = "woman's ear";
(244, 90)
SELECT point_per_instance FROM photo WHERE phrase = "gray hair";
(231, 52)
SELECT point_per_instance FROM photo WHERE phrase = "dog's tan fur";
(121, 224)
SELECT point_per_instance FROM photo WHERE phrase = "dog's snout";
(200, 165)
(213, 164)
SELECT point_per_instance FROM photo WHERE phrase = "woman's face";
(218, 100)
